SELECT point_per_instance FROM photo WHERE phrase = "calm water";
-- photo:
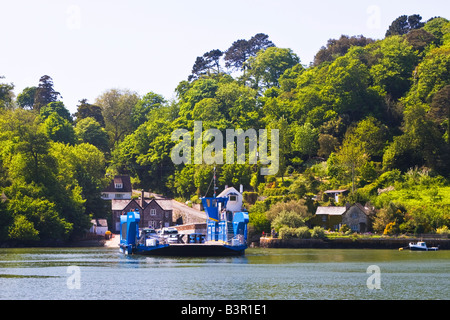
(284, 274)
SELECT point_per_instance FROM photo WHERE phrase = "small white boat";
(421, 246)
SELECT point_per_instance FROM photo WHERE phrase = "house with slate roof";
(355, 217)
(154, 213)
(119, 188)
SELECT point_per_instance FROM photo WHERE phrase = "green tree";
(89, 131)
(393, 68)
(59, 129)
(404, 24)
(432, 74)
(327, 145)
(306, 139)
(45, 93)
(23, 230)
(117, 106)
(338, 47)
(268, 65)
(25, 99)
(147, 103)
(6, 95)
(346, 87)
(87, 110)
(55, 107)
(436, 26)
(210, 61)
(440, 110)
(241, 50)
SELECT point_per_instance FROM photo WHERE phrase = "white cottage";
(234, 203)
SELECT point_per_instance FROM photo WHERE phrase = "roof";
(165, 204)
(332, 211)
(336, 191)
(99, 222)
(227, 191)
(124, 180)
(120, 204)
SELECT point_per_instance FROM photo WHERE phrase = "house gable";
(154, 215)
(356, 218)
(234, 203)
(119, 188)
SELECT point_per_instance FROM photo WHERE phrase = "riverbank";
(90, 242)
(348, 243)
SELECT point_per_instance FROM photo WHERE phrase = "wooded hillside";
(367, 115)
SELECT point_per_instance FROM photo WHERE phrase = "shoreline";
(265, 242)
(347, 243)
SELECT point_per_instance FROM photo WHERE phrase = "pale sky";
(88, 47)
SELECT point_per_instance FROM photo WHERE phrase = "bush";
(443, 230)
(23, 230)
(294, 233)
(318, 233)
(289, 219)
(297, 206)
(391, 228)
(344, 228)
(250, 197)
(303, 233)
(287, 233)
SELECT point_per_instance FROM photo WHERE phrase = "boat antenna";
(212, 180)
(214, 177)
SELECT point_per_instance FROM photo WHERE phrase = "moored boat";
(421, 246)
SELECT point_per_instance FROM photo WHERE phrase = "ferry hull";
(190, 250)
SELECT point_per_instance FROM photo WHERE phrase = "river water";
(262, 274)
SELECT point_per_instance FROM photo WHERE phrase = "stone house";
(355, 217)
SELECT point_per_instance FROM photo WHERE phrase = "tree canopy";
(366, 116)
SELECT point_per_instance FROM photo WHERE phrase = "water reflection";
(41, 273)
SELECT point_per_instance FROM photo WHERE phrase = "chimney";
(347, 206)
(241, 189)
(142, 199)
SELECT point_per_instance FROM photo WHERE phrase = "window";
(119, 196)
(118, 185)
(354, 215)
(324, 218)
(233, 197)
(354, 227)
(153, 212)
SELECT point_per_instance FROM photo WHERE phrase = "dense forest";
(371, 116)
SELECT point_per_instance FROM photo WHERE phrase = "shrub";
(391, 228)
(250, 197)
(303, 233)
(344, 228)
(318, 233)
(287, 233)
(297, 206)
(443, 230)
(294, 233)
(289, 219)
(23, 230)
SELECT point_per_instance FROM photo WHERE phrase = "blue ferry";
(226, 234)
